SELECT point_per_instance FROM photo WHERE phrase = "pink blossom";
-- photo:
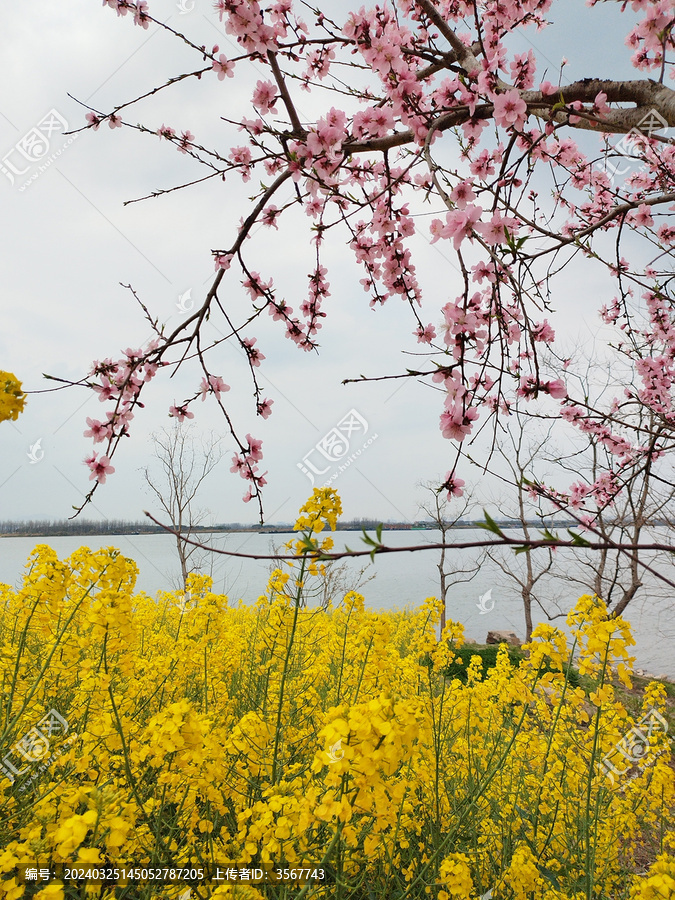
(557, 389)
(372, 122)
(265, 408)
(120, 417)
(425, 335)
(462, 194)
(510, 109)
(473, 128)
(141, 14)
(180, 412)
(483, 165)
(238, 465)
(578, 492)
(93, 120)
(252, 126)
(495, 231)
(279, 311)
(241, 157)
(522, 70)
(99, 468)
(456, 422)
(106, 390)
(600, 104)
(223, 261)
(254, 355)
(458, 224)
(269, 216)
(185, 140)
(484, 270)
(543, 332)
(97, 430)
(453, 485)
(255, 448)
(666, 234)
(214, 385)
(223, 67)
(642, 216)
(114, 121)
(264, 95)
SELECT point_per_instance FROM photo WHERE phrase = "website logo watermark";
(483, 603)
(348, 461)
(185, 601)
(34, 747)
(184, 7)
(35, 452)
(185, 302)
(334, 446)
(336, 753)
(34, 148)
(630, 145)
(634, 745)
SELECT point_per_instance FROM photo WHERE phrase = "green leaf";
(307, 545)
(577, 540)
(376, 545)
(551, 876)
(367, 539)
(518, 550)
(490, 525)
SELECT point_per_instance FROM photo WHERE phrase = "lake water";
(400, 580)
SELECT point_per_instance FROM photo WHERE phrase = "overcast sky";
(68, 242)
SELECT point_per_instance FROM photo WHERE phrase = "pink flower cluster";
(456, 421)
(245, 464)
(120, 381)
(379, 245)
(139, 9)
(244, 19)
(653, 36)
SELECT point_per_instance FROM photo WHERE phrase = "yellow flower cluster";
(455, 875)
(660, 882)
(12, 398)
(309, 736)
(322, 510)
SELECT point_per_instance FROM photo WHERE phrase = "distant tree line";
(64, 527)
(32, 527)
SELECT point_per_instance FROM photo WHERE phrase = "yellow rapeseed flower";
(12, 397)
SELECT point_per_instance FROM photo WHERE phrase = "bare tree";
(626, 511)
(437, 508)
(185, 463)
(519, 453)
(623, 513)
